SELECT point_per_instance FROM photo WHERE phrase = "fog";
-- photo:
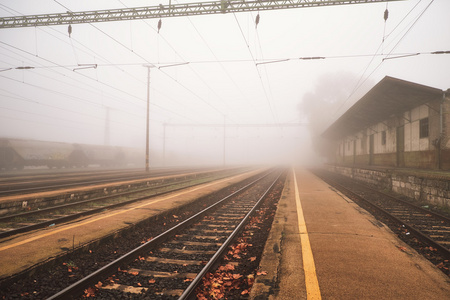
(222, 90)
(322, 105)
(232, 144)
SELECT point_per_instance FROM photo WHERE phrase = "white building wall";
(408, 135)
(411, 122)
(378, 146)
(412, 129)
(341, 148)
(368, 132)
(359, 144)
(391, 140)
(349, 146)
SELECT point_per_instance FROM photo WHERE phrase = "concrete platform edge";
(275, 255)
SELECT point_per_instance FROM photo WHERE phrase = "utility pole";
(164, 144)
(224, 127)
(147, 133)
(106, 141)
(147, 148)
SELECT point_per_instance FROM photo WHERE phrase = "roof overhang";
(391, 96)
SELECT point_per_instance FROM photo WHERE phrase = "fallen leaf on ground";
(89, 292)
(261, 273)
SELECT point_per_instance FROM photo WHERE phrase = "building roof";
(389, 97)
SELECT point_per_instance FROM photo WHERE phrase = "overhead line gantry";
(171, 10)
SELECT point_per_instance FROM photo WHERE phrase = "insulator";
(257, 20)
(69, 30)
(386, 14)
(159, 25)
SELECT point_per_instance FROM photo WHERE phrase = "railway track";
(172, 265)
(37, 200)
(32, 184)
(429, 229)
(11, 225)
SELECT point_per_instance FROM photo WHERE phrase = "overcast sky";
(221, 82)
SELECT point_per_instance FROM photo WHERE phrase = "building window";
(423, 128)
(383, 138)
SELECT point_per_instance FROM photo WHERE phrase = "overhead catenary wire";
(359, 83)
(258, 62)
(256, 67)
(434, 52)
(265, 69)
(165, 73)
(103, 83)
(357, 86)
(401, 21)
(21, 98)
(68, 96)
(409, 29)
(301, 58)
(162, 71)
(138, 79)
(57, 65)
(78, 98)
(68, 68)
(217, 60)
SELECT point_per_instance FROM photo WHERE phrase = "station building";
(397, 124)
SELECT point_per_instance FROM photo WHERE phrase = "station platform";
(324, 246)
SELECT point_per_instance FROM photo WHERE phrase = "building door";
(401, 146)
(371, 147)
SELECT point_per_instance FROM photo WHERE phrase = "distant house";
(396, 124)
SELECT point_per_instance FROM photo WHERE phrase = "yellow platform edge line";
(312, 284)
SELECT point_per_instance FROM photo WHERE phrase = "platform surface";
(354, 256)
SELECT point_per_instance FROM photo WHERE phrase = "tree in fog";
(324, 105)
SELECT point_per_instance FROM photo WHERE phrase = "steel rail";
(444, 251)
(165, 11)
(426, 211)
(188, 292)
(409, 204)
(78, 287)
